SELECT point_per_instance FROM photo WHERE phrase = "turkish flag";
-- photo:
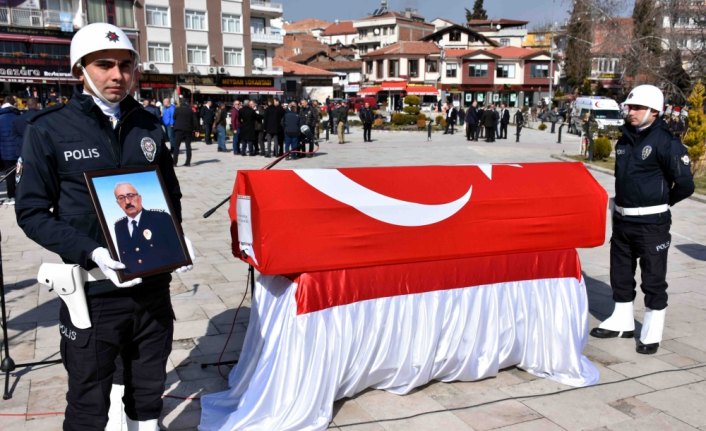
(294, 221)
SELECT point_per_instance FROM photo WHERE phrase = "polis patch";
(646, 152)
(149, 148)
(18, 170)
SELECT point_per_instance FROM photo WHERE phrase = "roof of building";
(341, 27)
(406, 47)
(337, 65)
(503, 22)
(305, 25)
(463, 52)
(400, 16)
(292, 68)
(306, 57)
(437, 35)
(515, 52)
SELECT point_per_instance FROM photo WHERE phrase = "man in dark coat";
(183, 131)
(519, 123)
(490, 121)
(504, 121)
(273, 124)
(367, 118)
(207, 116)
(9, 144)
(147, 239)
(451, 117)
(247, 136)
(472, 122)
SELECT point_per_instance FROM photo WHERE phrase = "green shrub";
(601, 148)
(542, 126)
(411, 100)
(412, 110)
(440, 120)
(401, 119)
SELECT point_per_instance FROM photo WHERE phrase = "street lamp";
(551, 64)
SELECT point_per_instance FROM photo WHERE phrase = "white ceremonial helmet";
(646, 95)
(96, 37)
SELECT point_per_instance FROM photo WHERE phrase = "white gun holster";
(67, 281)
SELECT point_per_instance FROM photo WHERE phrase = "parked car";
(356, 103)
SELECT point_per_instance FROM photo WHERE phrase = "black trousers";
(503, 131)
(131, 327)
(367, 128)
(179, 137)
(648, 244)
(518, 129)
(471, 131)
(10, 180)
(489, 133)
(207, 133)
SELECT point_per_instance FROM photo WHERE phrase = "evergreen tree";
(478, 11)
(579, 31)
(695, 136)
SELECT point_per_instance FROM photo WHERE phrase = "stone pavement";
(664, 391)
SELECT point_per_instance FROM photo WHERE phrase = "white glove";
(101, 256)
(190, 248)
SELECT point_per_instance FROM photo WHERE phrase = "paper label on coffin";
(457, 211)
(245, 226)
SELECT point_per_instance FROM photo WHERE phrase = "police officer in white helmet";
(131, 323)
(652, 173)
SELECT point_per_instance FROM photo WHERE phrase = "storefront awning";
(252, 90)
(369, 90)
(204, 89)
(422, 90)
(394, 85)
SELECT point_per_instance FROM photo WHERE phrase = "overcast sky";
(537, 12)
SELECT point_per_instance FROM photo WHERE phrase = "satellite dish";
(376, 31)
(259, 63)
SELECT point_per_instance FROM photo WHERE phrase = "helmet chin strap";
(645, 120)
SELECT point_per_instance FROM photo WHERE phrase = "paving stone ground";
(664, 391)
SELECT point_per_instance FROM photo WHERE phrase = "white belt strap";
(657, 209)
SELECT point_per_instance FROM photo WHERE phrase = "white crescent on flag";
(334, 184)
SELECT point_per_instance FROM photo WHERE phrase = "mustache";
(128, 206)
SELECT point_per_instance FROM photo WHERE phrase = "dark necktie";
(134, 228)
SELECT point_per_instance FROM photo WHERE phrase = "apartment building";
(201, 49)
(34, 47)
(385, 28)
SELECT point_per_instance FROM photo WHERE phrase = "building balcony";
(268, 71)
(37, 18)
(268, 8)
(266, 37)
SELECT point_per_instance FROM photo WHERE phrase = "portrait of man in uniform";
(146, 240)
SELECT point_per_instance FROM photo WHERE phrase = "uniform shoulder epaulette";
(45, 111)
(157, 210)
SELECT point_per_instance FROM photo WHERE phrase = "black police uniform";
(54, 209)
(153, 243)
(652, 168)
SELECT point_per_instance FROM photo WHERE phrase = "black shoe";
(187, 164)
(646, 349)
(607, 333)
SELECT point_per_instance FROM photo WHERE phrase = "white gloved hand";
(101, 256)
(190, 248)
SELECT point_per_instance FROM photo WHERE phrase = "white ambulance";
(604, 110)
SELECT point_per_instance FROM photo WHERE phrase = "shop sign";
(245, 81)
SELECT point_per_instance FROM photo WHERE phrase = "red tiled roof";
(514, 52)
(337, 65)
(292, 68)
(342, 27)
(406, 47)
(305, 25)
(459, 52)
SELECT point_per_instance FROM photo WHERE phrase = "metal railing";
(263, 4)
(25, 17)
(265, 36)
(271, 71)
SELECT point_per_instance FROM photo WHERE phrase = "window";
(413, 66)
(478, 70)
(539, 71)
(539, 38)
(50, 50)
(455, 36)
(159, 52)
(233, 56)
(432, 66)
(62, 5)
(157, 16)
(123, 14)
(451, 69)
(96, 11)
(197, 54)
(261, 54)
(258, 25)
(393, 67)
(505, 71)
(195, 20)
(231, 23)
(369, 67)
(505, 41)
(379, 69)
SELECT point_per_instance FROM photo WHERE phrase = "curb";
(696, 196)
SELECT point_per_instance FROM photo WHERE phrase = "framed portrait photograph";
(137, 221)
